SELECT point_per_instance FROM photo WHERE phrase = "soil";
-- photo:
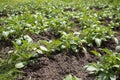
(57, 66)
(3, 15)
(5, 46)
(77, 26)
(69, 9)
(117, 29)
(37, 37)
(96, 8)
(105, 21)
(47, 35)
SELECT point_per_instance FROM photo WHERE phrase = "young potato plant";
(108, 67)
(17, 58)
(47, 47)
(70, 41)
(23, 53)
(7, 69)
(66, 42)
(35, 23)
(11, 28)
(24, 48)
(22, 24)
(58, 24)
(96, 34)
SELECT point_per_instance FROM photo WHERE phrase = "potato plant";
(108, 67)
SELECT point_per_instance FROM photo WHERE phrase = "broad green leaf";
(91, 68)
(63, 46)
(107, 51)
(19, 65)
(96, 53)
(5, 33)
(101, 76)
(116, 40)
(28, 38)
(75, 78)
(18, 41)
(117, 66)
(85, 50)
(39, 51)
(98, 42)
(113, 77)
(43, 48)
(70, 77)
(117, 48)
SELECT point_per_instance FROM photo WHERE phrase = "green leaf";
(74, 48)
(116, 66)
(107, 51)
(43, 48)
(70, 77)
(84, 50)
(117, 48)
(75, 78)
(18, 41)
(63, 46)
(113, 77)
(91, 68)
(102, 76)
(28, 38)
(19, 65)
(98, 42)
(96, 53)
(5, 33)
(116, 40)
(39, 51)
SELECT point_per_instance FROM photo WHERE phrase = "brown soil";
(57, 66)
(117, 29)
(37, 37)
(69, 9)
(5, 46)
(3, 15)
(47, 35)
(96, 8)
(76, 26)
(105, 21)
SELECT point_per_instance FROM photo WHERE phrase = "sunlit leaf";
(43, 48)
(98, 42)
(19, 65)
(116, 40)
(96, 53)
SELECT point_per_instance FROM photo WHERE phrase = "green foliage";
(70, 41)
(109, 66)
(97, 34)
(70, 77)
